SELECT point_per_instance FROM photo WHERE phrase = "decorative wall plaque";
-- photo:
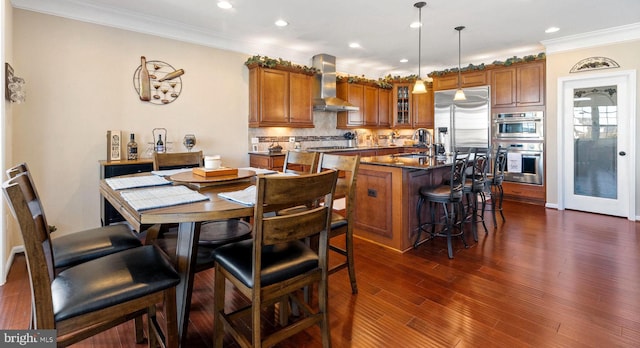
(158, 82)
(594, 63)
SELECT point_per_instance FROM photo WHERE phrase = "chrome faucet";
(425, 138)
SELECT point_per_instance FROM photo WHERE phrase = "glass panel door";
(597, 146)
(595, 136)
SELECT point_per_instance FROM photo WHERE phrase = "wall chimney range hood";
(324, 87)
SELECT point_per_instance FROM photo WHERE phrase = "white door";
(597, 161)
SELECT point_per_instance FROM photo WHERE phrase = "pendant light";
(419, 87)
(459, 93)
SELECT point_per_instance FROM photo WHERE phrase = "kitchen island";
(387, 187)
(387, 193)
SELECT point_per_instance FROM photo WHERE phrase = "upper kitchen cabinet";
(468, 79)
(402, 99)
(354, 94)
(372, 101)
(521, 84)
(422, 111)
(384, 108)
(280, 98)
(412, 110)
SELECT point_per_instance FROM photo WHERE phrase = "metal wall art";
(594, 63)
(157, 82)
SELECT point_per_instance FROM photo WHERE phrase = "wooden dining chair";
(96, 295)
(177, 160)
(343, 219)
(74, 248)
(276, 264)
(212, 233)
(297, 162)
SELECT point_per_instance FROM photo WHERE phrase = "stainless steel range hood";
(324, 87)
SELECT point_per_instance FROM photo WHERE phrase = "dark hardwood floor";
(545, 278)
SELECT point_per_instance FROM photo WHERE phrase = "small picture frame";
(114, 145)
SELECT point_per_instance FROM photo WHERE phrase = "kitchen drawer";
(524, 192)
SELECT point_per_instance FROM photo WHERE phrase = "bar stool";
(474, 187)
(447, 197)
(495, 182)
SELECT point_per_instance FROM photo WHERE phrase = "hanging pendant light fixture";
(419, 87)
(459, 93)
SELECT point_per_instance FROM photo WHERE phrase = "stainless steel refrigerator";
(467, 122)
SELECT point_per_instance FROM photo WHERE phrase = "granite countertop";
(328, 149)
(407, 160)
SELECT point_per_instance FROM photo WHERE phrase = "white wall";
(80, 84)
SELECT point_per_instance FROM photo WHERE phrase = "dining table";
(189, 217)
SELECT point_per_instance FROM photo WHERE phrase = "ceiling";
(495, 29)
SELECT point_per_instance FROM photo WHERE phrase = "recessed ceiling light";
(354, 45)
(224, 5)
(404, 60)
(551, 30)
(415, 25)
(282, 23)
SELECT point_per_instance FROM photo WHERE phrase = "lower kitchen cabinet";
(527, 193)
(108, 169)
(386, 199)
(267, 161)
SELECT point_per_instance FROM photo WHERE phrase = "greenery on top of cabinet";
(279, 63)
(508, 62)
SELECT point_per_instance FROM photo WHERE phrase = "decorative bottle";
(132, 148)
(145, 82)
(159, 144)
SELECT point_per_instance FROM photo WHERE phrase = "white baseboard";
(15, 250)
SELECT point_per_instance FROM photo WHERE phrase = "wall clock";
(164, 82)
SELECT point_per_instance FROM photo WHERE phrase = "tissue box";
(215, 172)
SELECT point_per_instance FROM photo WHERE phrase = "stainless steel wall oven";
(518, 125)
(525, 161)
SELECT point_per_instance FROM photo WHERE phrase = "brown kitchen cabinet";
(279, 98)
(422, 109)
(267, 161)
(518, 85)
(402, 98)
(384, 108)
(412, 110)
(527, 193)
(468, 79)
(374, 104)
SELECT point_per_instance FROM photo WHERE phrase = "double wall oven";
(522, 134)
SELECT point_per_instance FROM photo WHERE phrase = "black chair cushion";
(111, 280)
(75, 248)
(279, 262)
(337, 220)
(440, 194)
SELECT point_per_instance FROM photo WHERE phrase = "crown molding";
(603, 37)
(150, 25)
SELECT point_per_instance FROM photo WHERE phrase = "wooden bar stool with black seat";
(91, 297)
(276, 264)
(495, 182)
(448, 198)
(474, 187)
(342, 223)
